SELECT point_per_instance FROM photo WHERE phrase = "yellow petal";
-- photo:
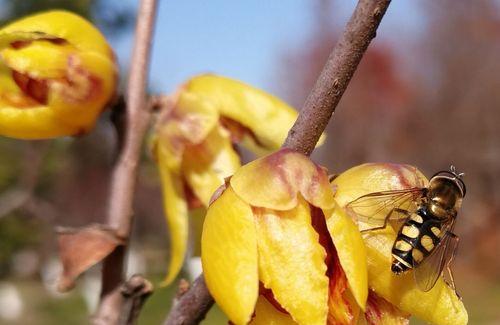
(292, 262)
(188, 121)
(65, 25)
(229, 256)
(438, 306)
(41, 59)
(380, 311)
(375, 177)
(176, 213)
(275, 181)
(266, 116)
(351, 252)
(206, 165)
(267, 314)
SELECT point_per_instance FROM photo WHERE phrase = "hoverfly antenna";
(453, 170)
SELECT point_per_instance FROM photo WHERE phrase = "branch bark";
(311, 122)
(120, 212)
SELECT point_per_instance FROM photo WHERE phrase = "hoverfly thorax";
(445, 193)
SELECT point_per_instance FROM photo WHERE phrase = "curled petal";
(267, 314)
(292, 262)
(57, 73)
(176, 213)
(275, 181)
(229, 256)
(206, 165)
(351, 252)
(267, 117)
(188, 121)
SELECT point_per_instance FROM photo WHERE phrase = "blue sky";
(244, 39)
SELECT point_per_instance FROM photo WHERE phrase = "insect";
(426, 216)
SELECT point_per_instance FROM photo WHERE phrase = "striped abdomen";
(416, 239)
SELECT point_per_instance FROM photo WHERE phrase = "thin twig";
(311, 122)
(125, 173)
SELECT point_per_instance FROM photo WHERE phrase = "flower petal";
(266, 116)
(351, 252)
(380, 311)
(292, 262)
(206, 165)
(65, 25)
(229, 256)
(439, 306)
(375, 177)
(187, 122)
(275, 181)
(176, 213)
(267, 314)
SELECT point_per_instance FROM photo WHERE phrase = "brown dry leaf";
(81, 248)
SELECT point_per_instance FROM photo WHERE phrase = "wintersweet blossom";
(194, 145)
(277, 249)
(57, 73)
(440, 305)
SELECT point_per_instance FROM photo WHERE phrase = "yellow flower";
(440, 305)
(57, 73)
(277, 249)
(194, 145)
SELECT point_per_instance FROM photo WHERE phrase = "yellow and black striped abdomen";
(416, 239)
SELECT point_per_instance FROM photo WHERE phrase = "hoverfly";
(425, 241)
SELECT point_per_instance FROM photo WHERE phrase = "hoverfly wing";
(430, 269)
(374, 210)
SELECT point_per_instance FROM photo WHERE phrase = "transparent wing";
(376, 209)
(430, 269)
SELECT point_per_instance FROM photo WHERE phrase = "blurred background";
(427, 93)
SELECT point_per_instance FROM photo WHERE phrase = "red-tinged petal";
(275, 182)
(342, 308)
(229, 256)
(292, 262)
(206, 165)
(187, 121)
(351, 252)
(267, 314)
(380, 311)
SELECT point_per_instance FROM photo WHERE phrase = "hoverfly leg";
(454, 246)
(387, 219)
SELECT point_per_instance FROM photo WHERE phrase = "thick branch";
(312, 121)
(125, 172)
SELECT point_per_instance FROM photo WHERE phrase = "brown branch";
(337, 72)
(125, 173)
(311, 122)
